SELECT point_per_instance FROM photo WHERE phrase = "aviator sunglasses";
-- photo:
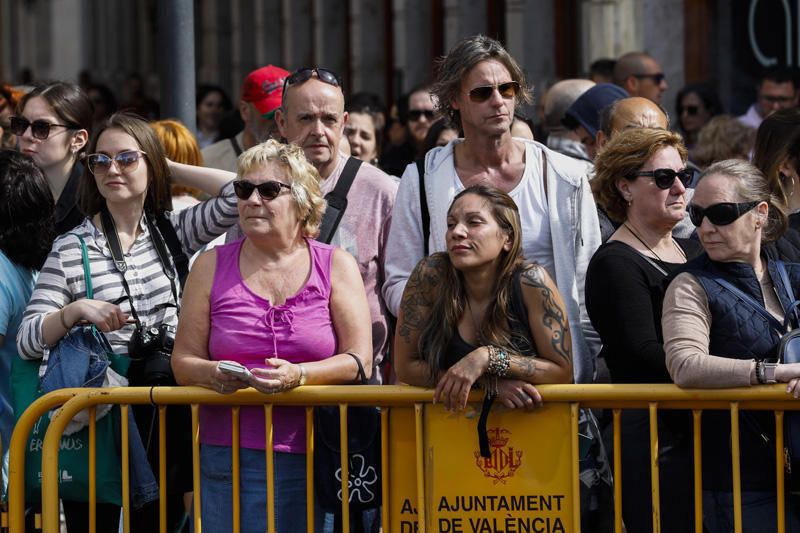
(126, 161)
(507, 90)
(40, 129)
(665, 177)
(720, 214)
(269, 190)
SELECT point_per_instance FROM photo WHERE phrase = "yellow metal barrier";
(615, 397)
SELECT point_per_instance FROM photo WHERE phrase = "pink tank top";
(246, 328)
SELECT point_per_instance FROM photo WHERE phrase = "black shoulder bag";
(363, 458)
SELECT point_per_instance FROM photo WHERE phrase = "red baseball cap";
(263, 87)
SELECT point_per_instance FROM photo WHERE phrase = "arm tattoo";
(525, 367)
(419, 296)
(554, 318)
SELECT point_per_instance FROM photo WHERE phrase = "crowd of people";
(433, 243)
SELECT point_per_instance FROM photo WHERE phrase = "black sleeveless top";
(521, 338)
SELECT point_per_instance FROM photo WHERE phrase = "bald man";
(635, 112)
(640, 75)
(556, 102)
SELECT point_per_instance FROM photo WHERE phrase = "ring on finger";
(524, 396)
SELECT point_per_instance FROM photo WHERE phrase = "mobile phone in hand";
(235, 369)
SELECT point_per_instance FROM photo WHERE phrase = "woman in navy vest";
(713, 339)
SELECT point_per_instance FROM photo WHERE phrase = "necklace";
(638, 238)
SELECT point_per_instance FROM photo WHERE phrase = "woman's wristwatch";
(769, 372)
(765, 372)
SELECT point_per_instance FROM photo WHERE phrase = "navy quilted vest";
(741, 333)
(737, 331)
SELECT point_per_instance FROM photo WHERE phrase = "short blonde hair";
(302, 176)
(622, 157)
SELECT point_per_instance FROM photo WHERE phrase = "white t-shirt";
(531, 201)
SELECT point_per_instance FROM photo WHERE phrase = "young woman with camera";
(133, 241)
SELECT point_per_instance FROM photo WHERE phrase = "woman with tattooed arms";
(640, 181)
(478, 314)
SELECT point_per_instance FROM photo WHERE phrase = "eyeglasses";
(719, 214)
(665, 177)
(127, 161)
(416, 114)
(690, 110)
(306, 73)
(507, 90)
(269, 190)
(657, 77)
(40, 129)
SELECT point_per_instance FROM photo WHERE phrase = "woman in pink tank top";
(288, 308)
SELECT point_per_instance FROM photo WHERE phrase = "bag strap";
(425, 214)
(787, 289)
(236, 148)
(361, 374)
(170, 237)
(337, 201)
(760, 309)
(110, 231)
(87, 271)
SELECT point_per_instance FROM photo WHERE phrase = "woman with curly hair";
(26, 231)
(640, 181)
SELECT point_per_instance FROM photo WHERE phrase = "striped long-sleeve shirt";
(61, 280)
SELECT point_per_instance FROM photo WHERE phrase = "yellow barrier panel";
(398, 398)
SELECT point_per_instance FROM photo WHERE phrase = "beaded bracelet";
(499, 361)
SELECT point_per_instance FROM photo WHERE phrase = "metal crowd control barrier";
(614, 397)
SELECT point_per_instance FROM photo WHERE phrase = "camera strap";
(110, 231)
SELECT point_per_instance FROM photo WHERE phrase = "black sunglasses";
(127, 161)
(416, 114)
(690, 110)
(665, 177)
(719, 214)
(657, 77)
(269, 190)
(507, 90)
(306, 73)
(40, 129)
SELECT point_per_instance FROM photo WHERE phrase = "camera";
(154, 346)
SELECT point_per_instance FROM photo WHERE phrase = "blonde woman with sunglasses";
(125, 192)
(722, 320)
(272, 311)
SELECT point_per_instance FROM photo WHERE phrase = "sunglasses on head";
(306, 73)
(269, 190)
(657, 77)
(665, 177)
(507, 90)
(416, 114)
(719, 214)
(126, 161)
(40, 129)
